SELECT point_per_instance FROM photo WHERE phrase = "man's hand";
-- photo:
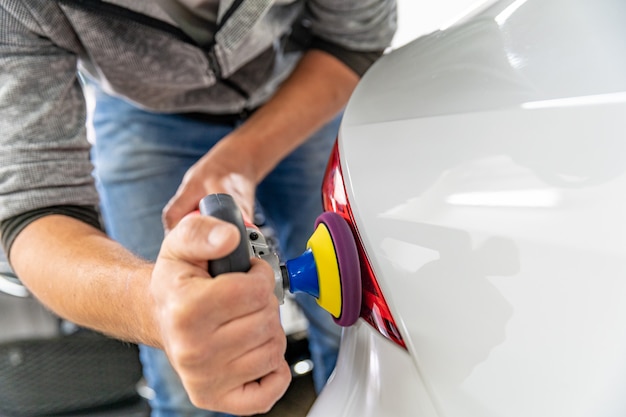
(222, 335)
(224, 169)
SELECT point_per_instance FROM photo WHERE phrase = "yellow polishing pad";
(321, 244)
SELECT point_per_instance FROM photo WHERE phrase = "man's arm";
(223, 336)
(112, 292)
(346, 36)
(316, 91)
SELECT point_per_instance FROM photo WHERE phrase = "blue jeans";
(140, 160)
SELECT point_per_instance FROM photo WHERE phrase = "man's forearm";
(316, 91)
(82, 275)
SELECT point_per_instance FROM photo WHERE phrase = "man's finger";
(200, 239)
(184, 202)
(256, 396)
(248, 332)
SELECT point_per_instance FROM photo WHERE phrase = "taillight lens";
(374, 308)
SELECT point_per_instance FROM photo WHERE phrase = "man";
(192, 97)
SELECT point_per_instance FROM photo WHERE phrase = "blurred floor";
(24, 318)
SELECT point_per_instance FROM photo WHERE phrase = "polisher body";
(328, 270)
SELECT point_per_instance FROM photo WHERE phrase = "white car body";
(485, 167)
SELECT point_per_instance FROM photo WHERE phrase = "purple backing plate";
(349, 266)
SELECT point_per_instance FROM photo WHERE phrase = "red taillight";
(374, 308)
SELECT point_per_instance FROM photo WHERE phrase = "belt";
(229, 119)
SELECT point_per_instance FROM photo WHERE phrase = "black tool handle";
(224, 208)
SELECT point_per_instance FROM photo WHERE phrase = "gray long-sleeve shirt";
(137, 50)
